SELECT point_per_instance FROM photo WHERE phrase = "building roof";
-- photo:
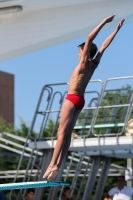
(41, 24)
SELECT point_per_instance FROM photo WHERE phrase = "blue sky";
(55, 64)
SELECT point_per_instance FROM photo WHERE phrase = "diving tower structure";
(103, 132)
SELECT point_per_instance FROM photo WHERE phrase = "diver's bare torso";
(80, 77)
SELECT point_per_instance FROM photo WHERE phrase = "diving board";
(98, 126)
(37, 184)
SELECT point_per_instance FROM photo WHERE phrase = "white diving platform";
(121, 147)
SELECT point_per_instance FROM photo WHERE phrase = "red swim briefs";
(77, 100)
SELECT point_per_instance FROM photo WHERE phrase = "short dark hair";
(30, 190)
(121, 176)
(93, 48)
(65, 189)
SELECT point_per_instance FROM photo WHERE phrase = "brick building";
(7, 96)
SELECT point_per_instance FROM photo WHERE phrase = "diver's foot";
(49, 170)
(53, 175)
